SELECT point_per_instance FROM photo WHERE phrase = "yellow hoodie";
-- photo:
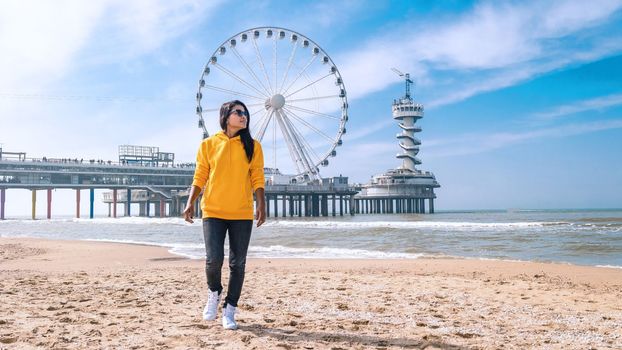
(227, 178)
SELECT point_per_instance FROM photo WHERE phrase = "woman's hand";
(189, 212)
(260, 214)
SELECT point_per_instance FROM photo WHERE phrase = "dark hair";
(245, 134)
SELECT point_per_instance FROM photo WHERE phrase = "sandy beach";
(79, 295)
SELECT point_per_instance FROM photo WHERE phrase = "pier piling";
(128, 210)
(49, 200)
(77, 203)
(34, 204)
(2, 200)
(91, 202)
(114, 203)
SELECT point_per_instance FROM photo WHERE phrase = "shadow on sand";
(349, 339)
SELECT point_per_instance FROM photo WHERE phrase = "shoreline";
(422, 256)
(84, 294)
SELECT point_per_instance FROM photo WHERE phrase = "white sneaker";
(228, 317)
(211, 308)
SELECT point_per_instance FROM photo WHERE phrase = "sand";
(91, 295)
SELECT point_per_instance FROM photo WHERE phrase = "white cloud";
(480, 143)
(39, 39)
(493, 46)
(43, 43)
(355, 159)
(136, 27)
(598, 103)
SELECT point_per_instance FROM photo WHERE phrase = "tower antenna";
(407, 79)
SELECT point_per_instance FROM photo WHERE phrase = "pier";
(163, 187)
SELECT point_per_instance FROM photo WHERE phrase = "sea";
(590, 237)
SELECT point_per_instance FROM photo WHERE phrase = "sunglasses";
(239, 112)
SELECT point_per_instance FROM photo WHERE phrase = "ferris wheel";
(294, 92)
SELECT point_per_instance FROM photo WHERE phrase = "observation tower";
(405, 188)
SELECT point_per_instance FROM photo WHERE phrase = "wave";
(131, 220)
(610, 220)
(197, 251)
(610, 266)
(319, 224)
(609, 224)
(326, 253)
(411, 224)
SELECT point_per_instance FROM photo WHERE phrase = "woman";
(229, 169)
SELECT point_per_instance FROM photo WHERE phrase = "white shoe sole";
(231, 328)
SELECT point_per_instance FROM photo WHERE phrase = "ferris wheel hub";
(277, 101)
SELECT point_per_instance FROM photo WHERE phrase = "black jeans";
(214, 232)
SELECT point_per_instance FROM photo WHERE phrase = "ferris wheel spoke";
(307, 152)
(262, 128)
(250, 70)
(311, 98)
(293, 150)
(216, 88)
(275, 63)
(263, 67)
(274, 142)
(292, 55)
(211, 110)
(304, 69)
(256, 105)
(308, 125)
(257, 111)
(303, 140)
(260, 120)
(310, 84)
(312, 112)
(317, 159)
(299, 143)
(244, 82)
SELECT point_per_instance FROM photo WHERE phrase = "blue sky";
(523, 99)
